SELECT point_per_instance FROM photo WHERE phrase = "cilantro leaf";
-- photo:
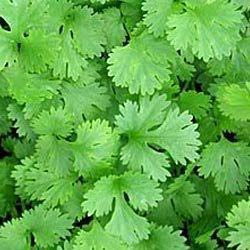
(192, 28)
(96, 238)
(135, 123)
(116, 33)
(124, 223)
(50, 228)
(238, 221)
(233, 68)
(198, 104)
(70, 63)
(47, 231)
(59, 123)
(138, 65)
(54, 153)
(30, 88)
(48, 187)
(85, 100)
(23, 126)
(140, 126)
(157, 14)
(227, 163)
(94, 147)
(164, 238)
(234, 101)
(10, 229)
(180, 201)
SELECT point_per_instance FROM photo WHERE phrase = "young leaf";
(234, 101)
(164, 238)
(192, 28)
(97, 238)
(239, 223)
(139, 65)
(124, 223)
(227, 163)
(141, 125)
(94, 147)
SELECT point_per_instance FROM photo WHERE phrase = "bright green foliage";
(197, 103)
(228, 163)
(54, 153)
(97, 238)
(85, 100)
(132, 13)
(94, 147)
(52, 225)
(23, 126)
(115, 33)
(10, 229)
(125, 223)
(59, 123)
(162, 238)
(239, 223)
(234, 68)
(234, 101)
(242, 3)
(124, 124)
(135, 123)
(25, 87)
(176, 131)
(210, 29)
(47, 227)
(158, 12)
(180, 201)
(145, 64)
(26, 42)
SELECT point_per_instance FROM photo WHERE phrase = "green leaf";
(116, 33)
(96, 238)
(85, 100)
(94, 147)
(53, 153)
(227, 163)
(157, 14)
(135, 122)
(164, 238)
(124, 223)
(141, 65)
(234, 101)
(192, 29)
(23, 126)
(141, 125)
(7, 49)
(180, 201)
(51, 226)
(48, 187)
(234, 68)
(5, 123)
(59, 123)
(12, 236)
(198, 104)
(239, 223)
(36, 53)
(132, 13)
(69, 64)
(89, 40)
(30, 88)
